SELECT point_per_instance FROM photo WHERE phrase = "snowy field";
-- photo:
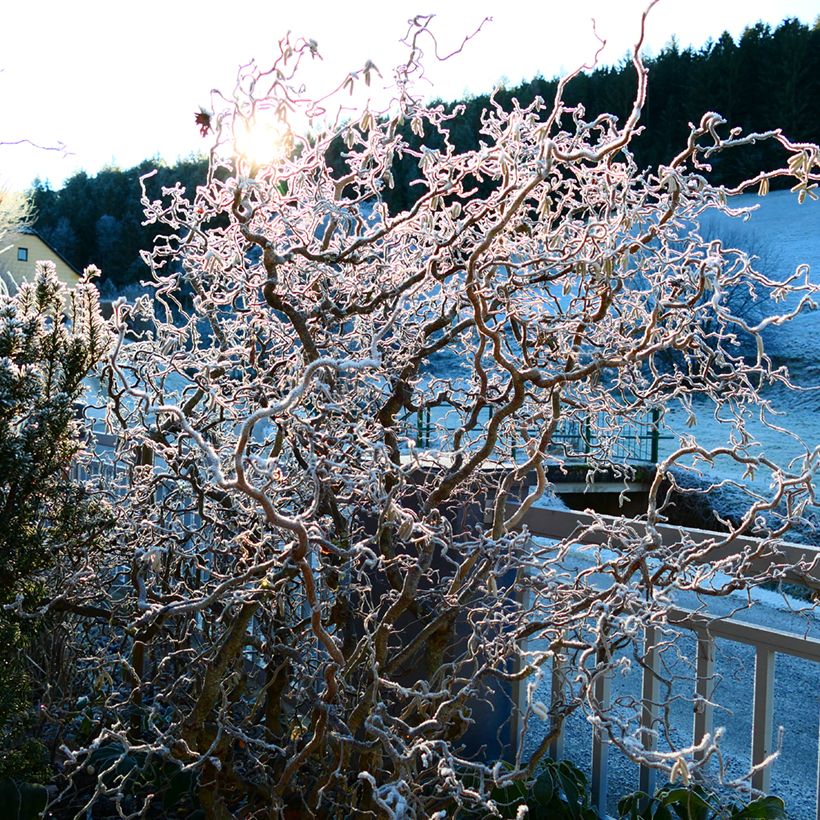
(783, 235)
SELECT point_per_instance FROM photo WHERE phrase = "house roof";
(31, 232)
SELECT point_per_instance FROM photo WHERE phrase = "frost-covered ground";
(784, 235)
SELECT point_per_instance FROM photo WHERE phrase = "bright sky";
(119, 82)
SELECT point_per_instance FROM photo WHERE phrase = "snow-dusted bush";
(47, 520)
(307, 610)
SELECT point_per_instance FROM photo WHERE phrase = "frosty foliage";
(305, 608)
(49, 525)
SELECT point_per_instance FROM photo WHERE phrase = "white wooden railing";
(767, 643)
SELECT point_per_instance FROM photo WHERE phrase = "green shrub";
(49, 341)
(695, 803)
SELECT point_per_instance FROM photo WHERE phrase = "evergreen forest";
(768, 78)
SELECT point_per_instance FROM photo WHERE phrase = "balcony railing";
(766, 641)
(433, 428)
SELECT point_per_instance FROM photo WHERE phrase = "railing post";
(649, 705)
(762, 716)
(556, 748)
(704, 689)
(519, 685)
(817, 793)
(656, 418)
(600, 743)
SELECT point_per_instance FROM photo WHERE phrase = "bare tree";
(303, 607)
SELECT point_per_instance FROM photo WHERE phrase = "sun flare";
(263, 142)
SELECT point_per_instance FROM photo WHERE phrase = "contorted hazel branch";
(319, 606)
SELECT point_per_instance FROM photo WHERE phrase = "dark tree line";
(99, 219)
(769, 78)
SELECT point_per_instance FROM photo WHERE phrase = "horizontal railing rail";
(803, 559)
(99, 462)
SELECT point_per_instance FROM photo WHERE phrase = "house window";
(22, 254)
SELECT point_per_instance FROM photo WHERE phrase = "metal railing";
(100, 462)
(432, 427)
(766, 641)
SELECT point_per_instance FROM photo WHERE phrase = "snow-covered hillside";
(783, 235)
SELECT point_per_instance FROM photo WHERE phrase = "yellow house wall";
(38, 251)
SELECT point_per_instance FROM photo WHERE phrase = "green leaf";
(543, 789)
(22, 801)
(769, 808)
(111, 762)
(688, 803)
(629, 807)
(573, 796)
(694, 803)
(85, 727)
(509, 797)
(180, 785)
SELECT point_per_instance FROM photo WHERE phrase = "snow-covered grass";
(784, 235)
